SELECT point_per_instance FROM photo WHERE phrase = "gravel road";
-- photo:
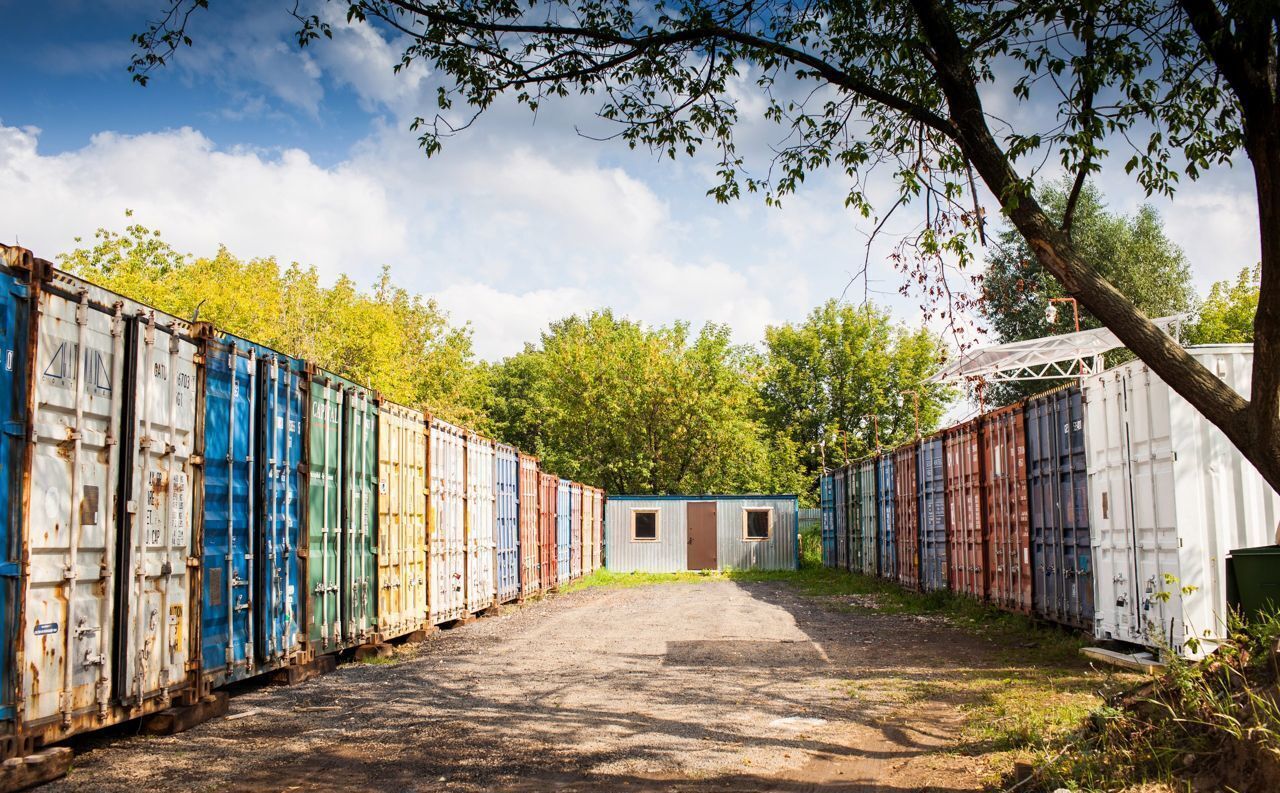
(699, 687)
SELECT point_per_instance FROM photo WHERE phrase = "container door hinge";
(193, 561)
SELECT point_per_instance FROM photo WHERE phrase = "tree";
(1132, 253)
(634, 409)
(389, 339)
(1178, 85)
(1226, 315)
(827, 377)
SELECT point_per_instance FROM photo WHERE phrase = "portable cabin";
(666, 534)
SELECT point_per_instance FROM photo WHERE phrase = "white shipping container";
(1169, 497)
(107, 623)
(482, 547)
(448, 536)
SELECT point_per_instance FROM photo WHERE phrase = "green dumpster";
(1253, 579)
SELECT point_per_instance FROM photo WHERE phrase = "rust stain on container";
(548, 485)
(966, 508)
(1008, 510)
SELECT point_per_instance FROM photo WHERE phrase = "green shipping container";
(341, 513)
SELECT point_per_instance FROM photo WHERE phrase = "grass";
(612, 580)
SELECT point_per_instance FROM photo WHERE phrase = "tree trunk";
(1262, 140)
(1215, 400)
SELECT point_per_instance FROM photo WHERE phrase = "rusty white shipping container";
(402, 520)
(1169, 497)
(106, 630)
(448, 533)
(481, 588)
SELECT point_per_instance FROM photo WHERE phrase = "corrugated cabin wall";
(669, 552)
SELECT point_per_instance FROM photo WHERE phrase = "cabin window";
(644, 525)
(757, 524)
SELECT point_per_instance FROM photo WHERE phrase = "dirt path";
(706, 686)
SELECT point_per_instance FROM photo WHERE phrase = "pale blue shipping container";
(507, 516)
(933, 515)
(564, 529)
(886, 538)
(826, 502)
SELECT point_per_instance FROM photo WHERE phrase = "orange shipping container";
(1008, 510)
(548, 484)
(906, 510)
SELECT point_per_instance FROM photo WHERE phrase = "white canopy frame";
(1076, 354)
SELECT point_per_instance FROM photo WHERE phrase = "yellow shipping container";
(402, 520)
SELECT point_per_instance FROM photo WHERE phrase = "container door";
(71, 527)
(563, 522)
(885, 514)
(507, 483)
(870, 527)
(827, 518)
(933, 520)
(226, 616)
(359, 514)
(325, 451)
(701, 522)
(280, 441)
(14, 318)
(402, 521)
(154, 542)
(481, 587)
(448, 540)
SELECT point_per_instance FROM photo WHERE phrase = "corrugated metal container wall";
(528, 502)
(966, 507)
(885, 514)
(906, 514)
(481, 547)
(1008, 513)
(548, 530)
(575, 530)
(599, 529)
(736, 552)
(839, 486)
(666, 554)
(343, 463)
(826, 502)
(588, 524)
(853, 492)
(107, 368)
(15, 379)
(931, 497)
(281, 445)
(564, 530)
(1062, 553)
(869, 526)
(1169, 497)
(446, 528)
(507, 516)
(402, 520)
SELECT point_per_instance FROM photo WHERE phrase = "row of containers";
(1109, 505)
(184, 509)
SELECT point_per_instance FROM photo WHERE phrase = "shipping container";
(839, 489)
(588, 527)
(575, 530)
(931, 497)
(15, 379)
(598, 530)
(564, 530)
(481, 546)
(528, 504)
(402, 520)
(1057, 480)
(868, 526)
(826, 503)
(906, 514)
(885, 515)
(341, 512)
(966, 507)
(506, 485)
(1008, 511)
(447, 539)
(548, 531)
(667, 534)
(853, 519)
(108, 613)
(1169, 497)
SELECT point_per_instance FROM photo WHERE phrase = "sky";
(307, 156)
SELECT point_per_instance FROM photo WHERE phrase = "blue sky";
(307, 156)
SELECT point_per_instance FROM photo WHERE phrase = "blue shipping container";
(933, 515)
(507, 511)
(15, 316)
(1062, 556)
(886, 538)
(826, 504)
(564, 529)
(840, 517)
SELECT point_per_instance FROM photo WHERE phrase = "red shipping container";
(1008, 509)
(906, 512)
(548, 484)
(528, 494)
(966, 508)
